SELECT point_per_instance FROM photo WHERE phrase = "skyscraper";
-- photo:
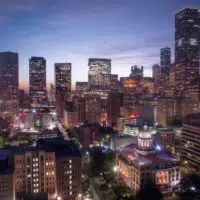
(187, 49)
(9, 83)
(99, 69)
(137, 71)
(165, 57)
(63, 77)
(156, 72)
(62, 85)
(113, 107)
(37, 81)
(165, 60)
(92, 108)
(157, 78)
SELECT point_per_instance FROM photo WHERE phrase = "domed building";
(145, 143)
(144, 163)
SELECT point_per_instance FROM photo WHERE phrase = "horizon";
(129, 33)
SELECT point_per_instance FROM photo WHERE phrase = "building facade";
(63, 77)
(70, 115)
(51, 166)
(81, 86)
(99, 72)
(137, 72)
(143, 164)
(62, 86)
(187, 52)
(165, 60)
(165, 138)
(190, 141)
(9, 79)
(37, 81)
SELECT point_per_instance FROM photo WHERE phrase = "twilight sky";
(127, 31)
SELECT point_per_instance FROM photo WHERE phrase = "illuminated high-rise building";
(81, 86)
(187, 51)
(37, 81)
(62, 85)
(165, 60)
(156, 72)
(190, 141)
(63, 77)
(99, 71)
(9, 83)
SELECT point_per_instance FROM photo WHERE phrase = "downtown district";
(111, 136)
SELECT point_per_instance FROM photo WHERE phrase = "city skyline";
(127, 32)
(129, 130)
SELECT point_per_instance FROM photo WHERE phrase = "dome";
(145, 133)
(145, 142)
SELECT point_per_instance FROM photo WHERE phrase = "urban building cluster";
(40, 159)
(47, 166)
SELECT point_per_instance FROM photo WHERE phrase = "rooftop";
(58, 145)
(131, 156)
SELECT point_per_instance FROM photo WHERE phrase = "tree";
(2, 141)
(123, 193)
(189, 187)
(149, 191)
(97, 163)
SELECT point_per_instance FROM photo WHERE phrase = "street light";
(193, 188)
(115, 168)
(158, 147)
